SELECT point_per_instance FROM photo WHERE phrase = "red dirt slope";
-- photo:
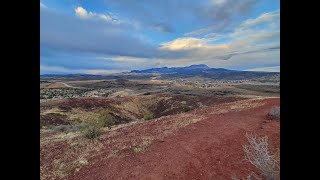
(210, 148)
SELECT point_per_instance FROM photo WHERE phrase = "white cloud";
(128, 59)
(190, 44)
(183, 44)
(267, 69)
(105, 17)
(84, 14)
(271, 17)
(81, 12)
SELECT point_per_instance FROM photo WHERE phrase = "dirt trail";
(208, 149)
(67, 85)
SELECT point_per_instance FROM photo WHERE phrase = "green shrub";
(148, 116)
(186, 108)
(93, 129)
(92, 133)
(104, 120)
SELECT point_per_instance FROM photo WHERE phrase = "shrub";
(92, 133)
(148, 116)
(64, 128)
(93, 129)
(104, 120)
(186, 108)
(258, 155)
(274, 113)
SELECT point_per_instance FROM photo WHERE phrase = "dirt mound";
(202, 144)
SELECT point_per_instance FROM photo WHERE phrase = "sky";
(110, 36)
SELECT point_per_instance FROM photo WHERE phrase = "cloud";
(266, 69)
(127, 59)
(191, 44)
(183, 44)
(251, 42)
(264, 18)
(239, 62)
(94, 41)
(44, 69)
(163, 27)
(224, 12)
(220, 13)
(228, 56)
(82, 13)
(219, 2)
(67, 33)
(200, 32)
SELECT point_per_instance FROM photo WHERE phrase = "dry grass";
(71, 160)
(146, 142)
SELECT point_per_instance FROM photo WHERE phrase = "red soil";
(208, 149)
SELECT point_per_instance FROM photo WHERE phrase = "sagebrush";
(257, 154)
(92, 133)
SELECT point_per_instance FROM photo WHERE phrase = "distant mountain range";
(202, 70)
(192, 68)
(199, 70)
